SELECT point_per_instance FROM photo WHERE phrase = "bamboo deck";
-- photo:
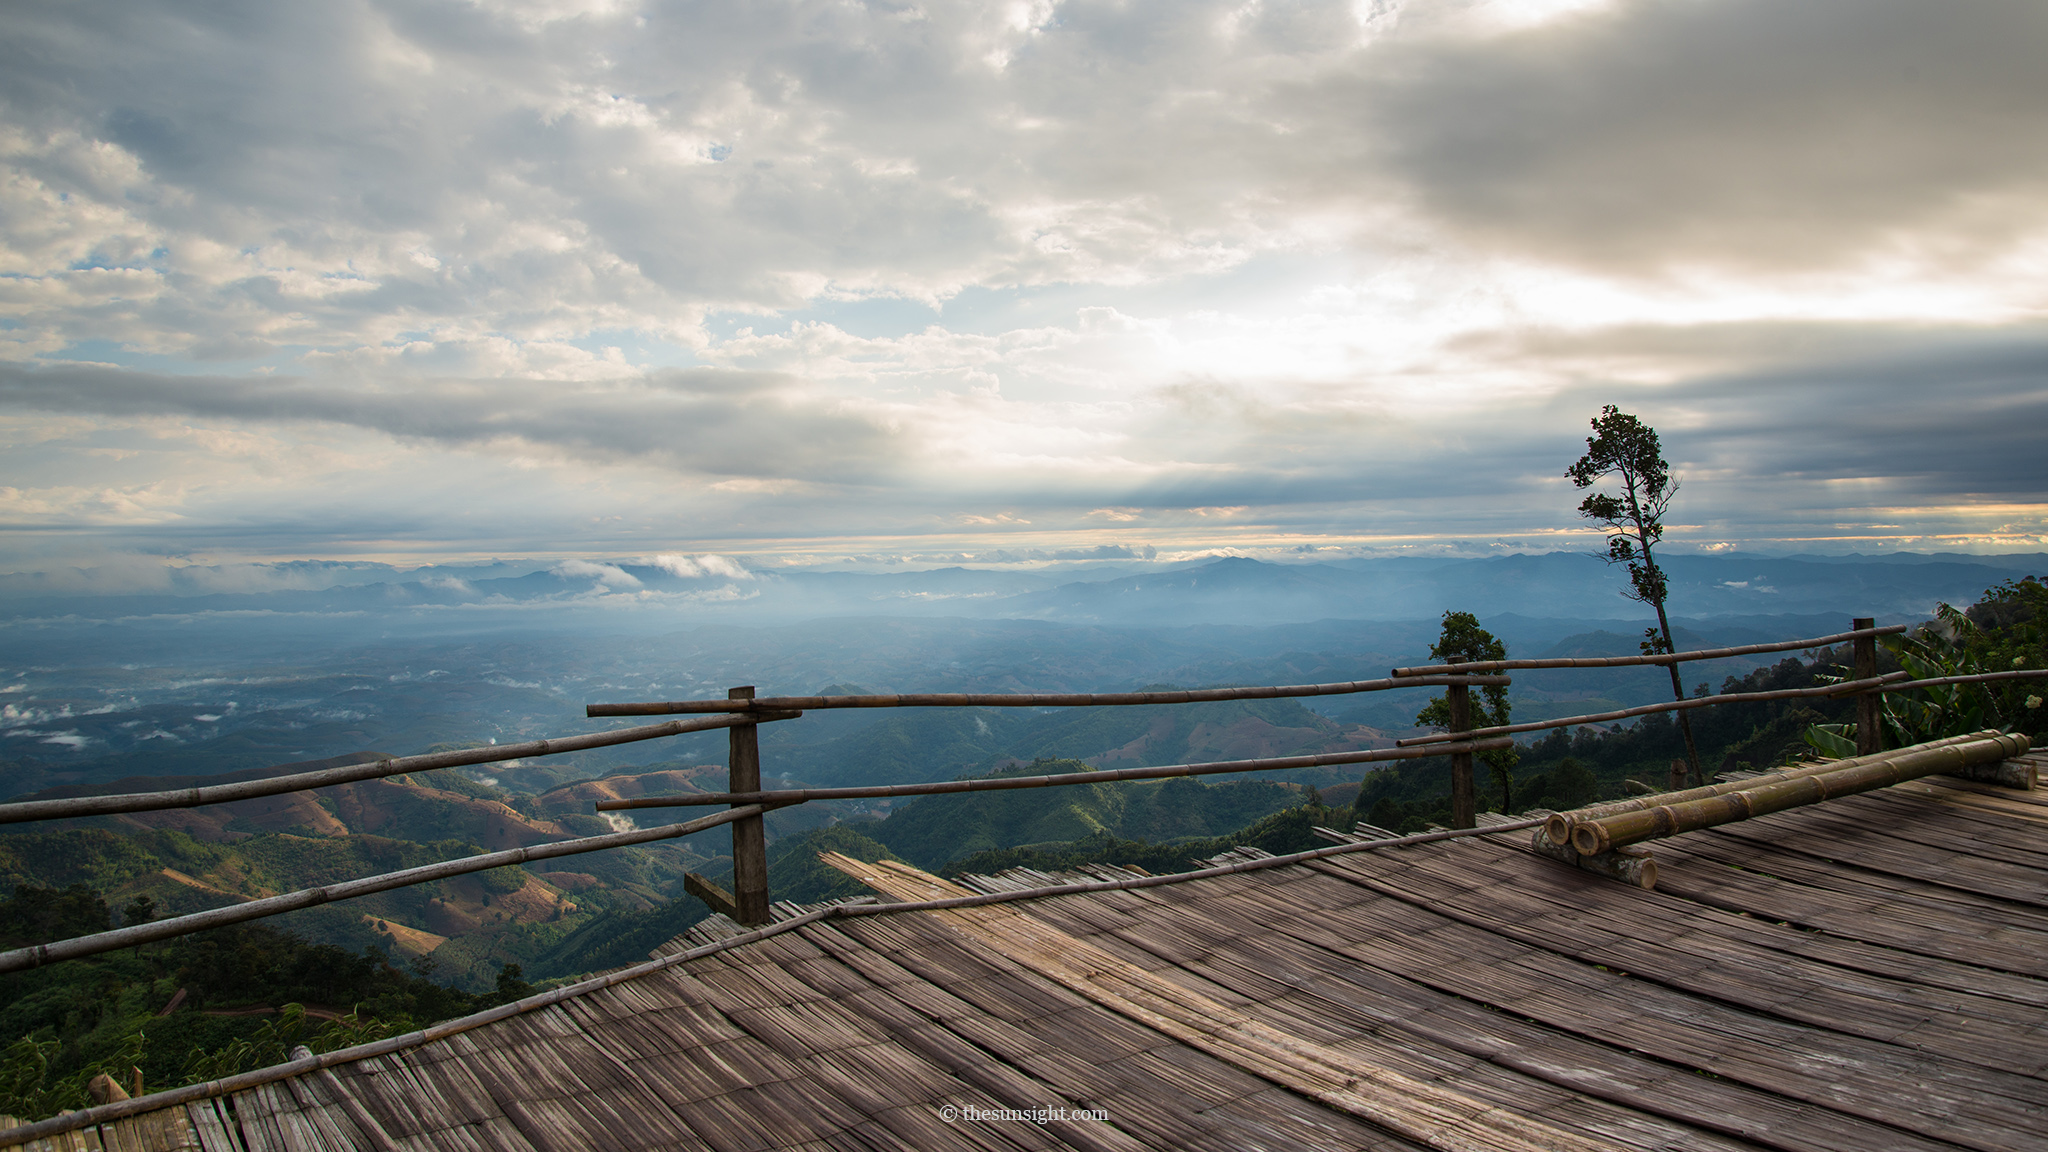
(1866, 975)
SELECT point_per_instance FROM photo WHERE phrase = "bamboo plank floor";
(1870, 975)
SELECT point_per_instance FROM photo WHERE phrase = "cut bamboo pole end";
(1629, 865)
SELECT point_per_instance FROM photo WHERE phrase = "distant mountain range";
(1231, 591)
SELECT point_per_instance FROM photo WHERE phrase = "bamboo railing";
(742, 712)
(75, 806)
(1865, 630)
(1037, 699)
(1000, 783)
(40, 954)
(1876, 685)
(1842, 689)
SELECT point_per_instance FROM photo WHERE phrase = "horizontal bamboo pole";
(1063, 779)
(1591, 837)
(41, 954)
(75, 806)
(1037, 699)
(1844, 688)
(1974, 678)
(1560, 824)
(171, 1098)
(1659, 658)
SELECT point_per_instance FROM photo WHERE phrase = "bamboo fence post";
(1869, 721)
(1464, 809)
(749, 836)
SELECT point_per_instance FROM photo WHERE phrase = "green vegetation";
(918, 746)
(618, 938)
(933, 830)
(1280, 833)
(1566, 770)
(1165, 826)
(246, 990)
(2006, 630)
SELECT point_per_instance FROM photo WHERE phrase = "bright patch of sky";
(807, 278)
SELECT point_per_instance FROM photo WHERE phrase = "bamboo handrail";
(1103, 776)
(1846, 686)
(74, 806)
(1658, 658)
(1038, 699)
(1591, 837)
(1972, 678)
(37, 955)
(172, 1097)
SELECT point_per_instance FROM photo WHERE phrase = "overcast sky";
(807, 280)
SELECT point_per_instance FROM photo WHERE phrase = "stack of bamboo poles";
(1599, 837)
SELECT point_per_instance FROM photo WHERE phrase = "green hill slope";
(936, 829)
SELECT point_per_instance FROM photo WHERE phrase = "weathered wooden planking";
(1569, 890)
(1047, 1056)
(212, 1127)
(1602, 1000)
(1870, 930)
(1046, 1044)
(1910, 900)
(2035, 798)
(1389, 1100)
(1845, 842)
(1863, 1078)
(1929, 817)
(835, 1027)
(1713, 954)
(1638, 1093)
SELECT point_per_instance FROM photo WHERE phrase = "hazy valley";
(124, 692)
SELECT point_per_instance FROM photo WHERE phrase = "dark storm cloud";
(1962, 417)
(1737, 132)
(718, 423)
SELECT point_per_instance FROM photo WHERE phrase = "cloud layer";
(449, 279)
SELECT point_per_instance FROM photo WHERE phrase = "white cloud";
(608, 575)
(561, 278)
(693, 567)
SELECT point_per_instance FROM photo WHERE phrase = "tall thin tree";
(1625, 447)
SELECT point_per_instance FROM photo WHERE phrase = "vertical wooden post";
(1869, 722)
(749, 837)
(1464, 806)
